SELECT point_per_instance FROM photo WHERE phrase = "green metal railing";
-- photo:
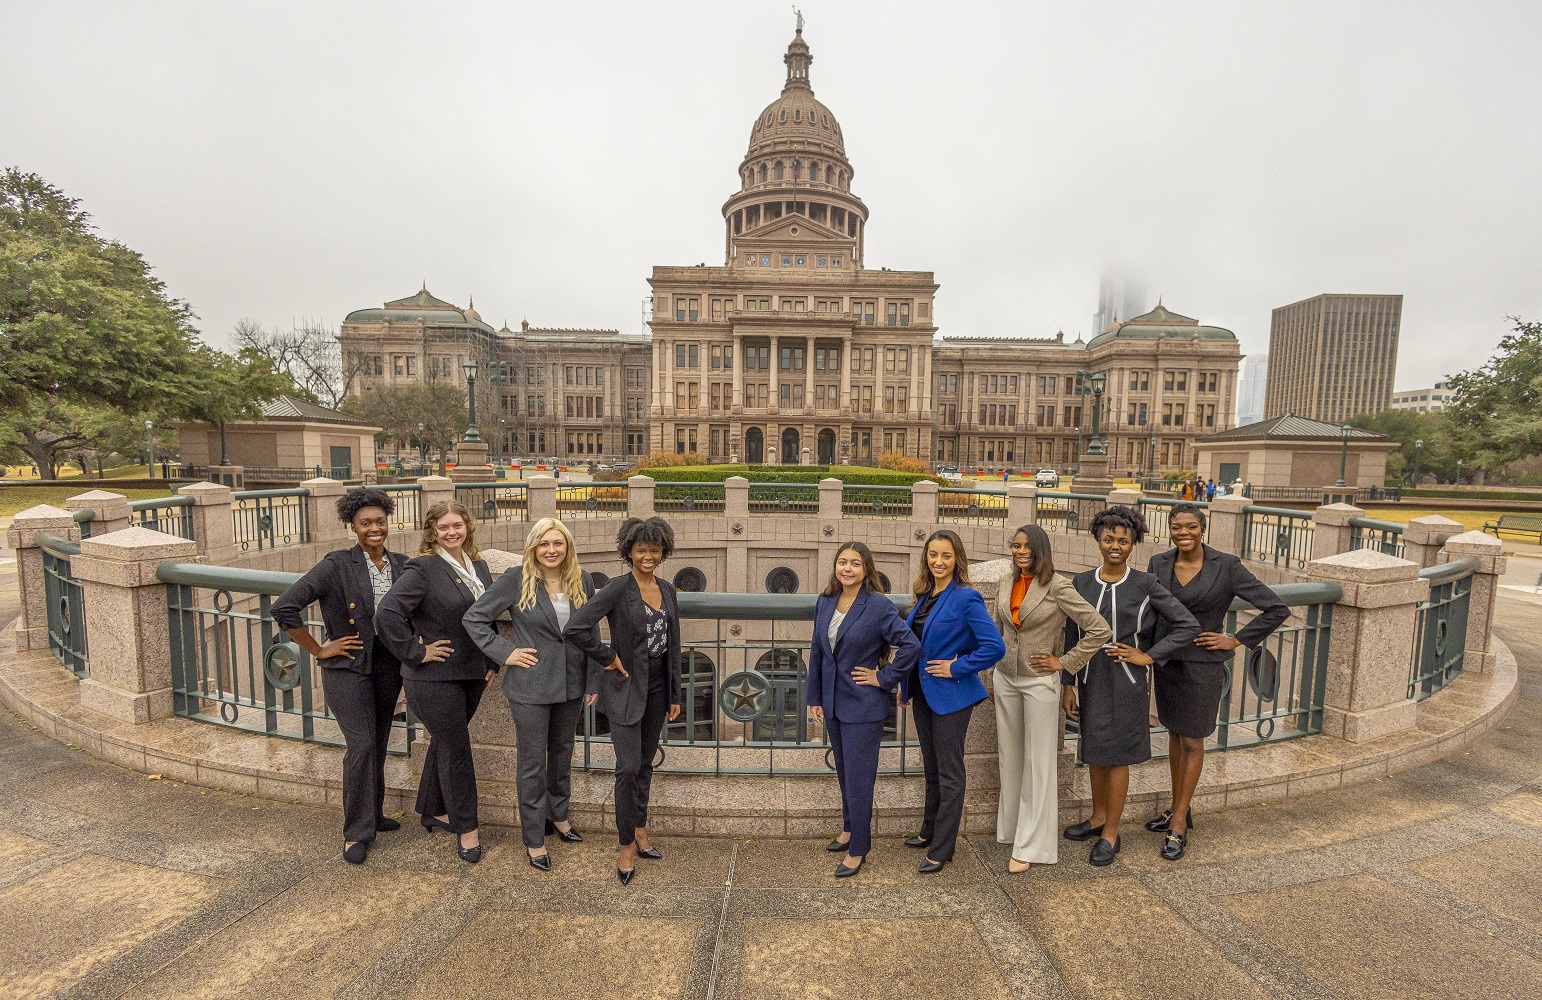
(586, 501)
(66, 604)
(495, 502)
(83, 519)
(958, 506)
(1440, 628)
(1383, 536)
(689, 498)
(1156, 511)
(407, 503)
(266, 519)
(232, 666)
(772, 499)
(1277, 535)
(168, 515)
(1068, 513)
(876, 501)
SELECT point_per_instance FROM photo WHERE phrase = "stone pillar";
(923, 504)
(1421, 538)
(540, 498)
(32, 626)
(736, 511)
(775, 390)
(126, 625)
(1330, 529)
(214, 529)
(736, 497)
(736, 405)
(321, 509)
(233, 476)
(1022, 505)
(1366, 694)
(112, 513)
(639, 496)
(436, 489)
(1125, 498)
(1227, 522)
(830, 502)
(1480, 602)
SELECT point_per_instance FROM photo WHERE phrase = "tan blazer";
(1044, 612)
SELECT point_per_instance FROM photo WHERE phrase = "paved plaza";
(1424, 884)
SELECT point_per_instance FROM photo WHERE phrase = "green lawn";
(15, 499)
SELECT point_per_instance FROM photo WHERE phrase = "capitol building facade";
(796, 351)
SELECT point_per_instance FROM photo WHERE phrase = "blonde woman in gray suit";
(1031, 608)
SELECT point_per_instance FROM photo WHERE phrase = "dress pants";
(363, 705)
(855, 746)
(449, 782)
(1028, 744)
(544, 748)
(942, 758)
(635, 747)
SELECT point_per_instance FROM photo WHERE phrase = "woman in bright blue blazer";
(855, 625)
(958, 640)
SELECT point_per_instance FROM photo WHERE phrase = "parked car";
(1047, 477)
(949, 474)
(602, 467)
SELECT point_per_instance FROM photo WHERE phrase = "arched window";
(797, 170)
(813, 171)
(778, 171)
(829, 174)
(797, 115)
(762, 173)
(784, 114)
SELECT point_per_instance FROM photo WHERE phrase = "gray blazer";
(1043, 615)
(561, 670)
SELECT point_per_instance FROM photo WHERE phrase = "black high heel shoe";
(844, 871)
(1164, 822)
(625, 875)
(1175, 846)
(916, 842)
(836, 845)
(431, 824)
(568, 836)
(470, 855)
(929, 867)
(652, 854)
(541, 861)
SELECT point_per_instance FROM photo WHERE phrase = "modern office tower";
(1431, 400)
(1332, 357)
(1251, 386)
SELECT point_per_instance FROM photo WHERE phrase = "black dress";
(1114, 697)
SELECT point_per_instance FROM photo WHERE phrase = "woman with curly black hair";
(1109, 696)
(360, 676)
(640, 688)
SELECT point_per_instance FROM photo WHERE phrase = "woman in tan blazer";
(1031, 608)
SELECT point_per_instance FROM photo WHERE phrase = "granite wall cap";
(1337, 514)
(500, 561)
(324, 486)
(1025, 490)
(635, 482)
(204, 494)
(95, 498)
(736, 482)
(1474, 543)
(1128, 497)
(1231, 503)
(923, 486)
(1363, 566)
(41, 517)
(439, 482)
(136, 543)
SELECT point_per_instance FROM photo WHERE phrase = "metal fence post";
(1478, 657)
(32, 627)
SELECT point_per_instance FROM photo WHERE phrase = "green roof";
(423, 306)
(1159, 323)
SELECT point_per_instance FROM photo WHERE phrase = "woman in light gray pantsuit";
(546, 679)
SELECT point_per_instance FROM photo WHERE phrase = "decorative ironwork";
(266, 519)
(1277, 535)
(168, 515)
(1440, 628)
(745, 696)
(65, 600)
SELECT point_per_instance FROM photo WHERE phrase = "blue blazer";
(959, 625)
(872, 625)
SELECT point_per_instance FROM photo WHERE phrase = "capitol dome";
(796, 119)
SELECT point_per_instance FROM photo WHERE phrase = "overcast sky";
(290, 160)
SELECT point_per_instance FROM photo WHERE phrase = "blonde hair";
(572, 574)
(430, 543)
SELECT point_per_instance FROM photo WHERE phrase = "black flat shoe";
(386, 824)
(928, 866)
(1164, 822)
(835, 845)
(431, 824)
(916, 842)
(470, 855)
(1103, 853)
(541, 861)
(1175, 846)
(843, 871)
(652, 854)
(625, 875)
(568, 836)
(355, 853)
(1082, 831)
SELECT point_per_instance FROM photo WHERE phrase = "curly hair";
(350, 503)
(652, 531)
(1194, 510)
(431, 518)
(1119, 516)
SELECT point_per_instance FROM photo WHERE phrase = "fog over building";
(1252, 384)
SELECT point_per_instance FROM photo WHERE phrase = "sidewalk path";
(1420, 885)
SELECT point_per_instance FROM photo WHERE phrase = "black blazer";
(560, 672)
(426, 604)
(340, 583)
(623, 699)
(1209, 595)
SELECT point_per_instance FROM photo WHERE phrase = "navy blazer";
(340, 583)
(1209, 595)
(960, 625)
(872, 626)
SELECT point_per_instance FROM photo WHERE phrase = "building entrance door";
(790, 449)
(342, 462)
(826, 447)
(754, 446)
(1230, 472)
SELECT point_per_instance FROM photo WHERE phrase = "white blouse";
(563, 607)
(835, 625)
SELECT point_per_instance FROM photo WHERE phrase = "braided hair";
(1119, 516)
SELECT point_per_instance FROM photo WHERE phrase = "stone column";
(126, 623)
(736, 511)
(736, 497)
(112, 513)
(830, 502)
(1022, 505)
(1330, 529)
(321, 509)
(434, 490)
(1421, 538)
(233, 476)
(775, 390)
(1125, 498)
(736, 405)
(214, 529)
(541, 498)
(1227, 522)
(923, 504)
(1480, 602)
(32, 626)
(639, 496)
(1366, 694)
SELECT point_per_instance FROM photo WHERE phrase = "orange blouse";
(1019, 591)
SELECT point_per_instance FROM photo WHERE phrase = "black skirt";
(1188, 696)
(1114, 700)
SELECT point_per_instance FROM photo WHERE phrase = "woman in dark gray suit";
(546, 676)
(642, 686)
(442, 669)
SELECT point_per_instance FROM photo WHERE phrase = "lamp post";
(1458, 472)
(1151, 457)
(472, 435)
(150, 448)
(1418, 453)
(422, 452)
(1344, 454)
(1095, 447)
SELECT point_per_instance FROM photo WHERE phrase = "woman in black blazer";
(850, 688)
(443, 671)
(359, 674)
(1189, 686)
(641, 686)
(546, 679)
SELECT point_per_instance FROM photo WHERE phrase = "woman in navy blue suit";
(854, 625)
(958, 640)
